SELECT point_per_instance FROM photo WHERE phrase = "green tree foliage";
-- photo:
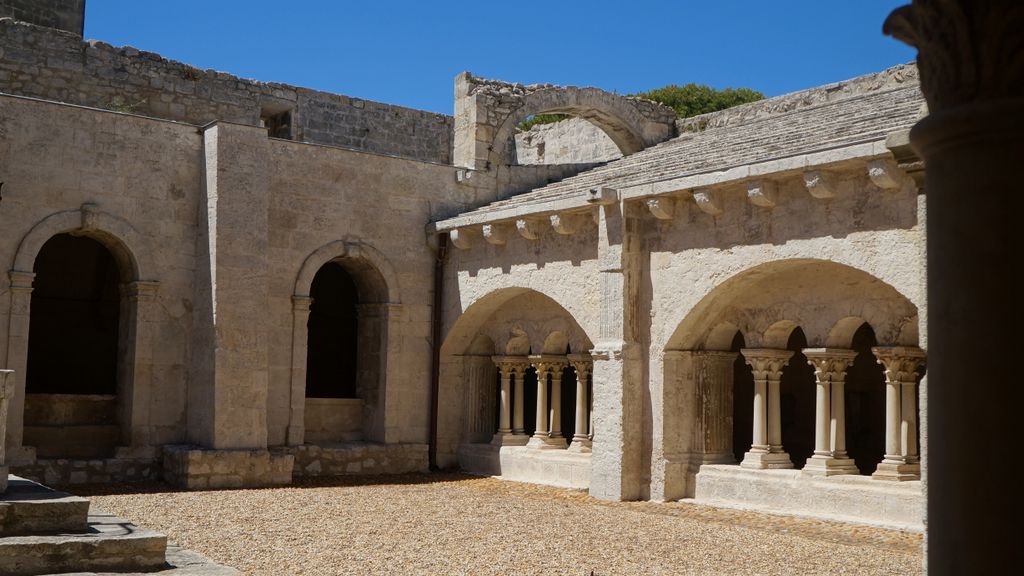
(542, 119)
(693, 99)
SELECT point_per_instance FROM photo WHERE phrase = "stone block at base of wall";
(358, 458)
(65, 472)
(849, 498)
(196, 468)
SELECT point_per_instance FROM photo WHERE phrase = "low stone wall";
(62, 472)
(848, 498)
(334, 420)
(358, 458)
(526, 464)
(196, 468)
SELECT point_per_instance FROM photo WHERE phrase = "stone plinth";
(198, 468)
(358, 458)
(524, 464)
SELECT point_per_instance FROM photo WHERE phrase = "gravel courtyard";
(455, 524)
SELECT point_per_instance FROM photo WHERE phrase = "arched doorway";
(796, 391)
(865, 403)
(76, 350)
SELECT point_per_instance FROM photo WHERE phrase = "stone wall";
(570, 141)
(358, 458)
(198, 469)
(53, 65)
(67, 15)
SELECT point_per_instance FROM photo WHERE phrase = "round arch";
(617, 116)
(827, 299)
(373, 272)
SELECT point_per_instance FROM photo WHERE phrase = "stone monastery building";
(227, 282)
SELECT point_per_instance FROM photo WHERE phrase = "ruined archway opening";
(333, 330)
(865, 403)
(797, 401)
(76, 350)
(743, 399)
(562, 139)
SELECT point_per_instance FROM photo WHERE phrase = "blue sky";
(408, 53)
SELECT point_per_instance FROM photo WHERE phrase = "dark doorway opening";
(865, 403)
(333, 335)
(71, 380)
(797, 402)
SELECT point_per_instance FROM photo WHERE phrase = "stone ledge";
(200, 468)
(64, 472)
(30, 508)
(357, 458)
(526, 464)
(848, 498)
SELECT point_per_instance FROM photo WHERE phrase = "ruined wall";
(67, 15)
(53, 65)
(571, 141)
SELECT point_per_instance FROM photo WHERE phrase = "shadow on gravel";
(157, 487)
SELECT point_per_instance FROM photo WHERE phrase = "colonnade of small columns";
(548, 433)
(901, 460)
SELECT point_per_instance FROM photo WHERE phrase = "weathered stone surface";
(339, 459)
(31, 508)
(194, 468)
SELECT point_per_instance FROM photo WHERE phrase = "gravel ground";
(455, 524)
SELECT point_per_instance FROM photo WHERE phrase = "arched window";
(333, 335)
(865, 403)
(797, 393)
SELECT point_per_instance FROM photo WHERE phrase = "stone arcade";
(225, 282)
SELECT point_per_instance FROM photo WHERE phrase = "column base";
(766, 460)
(581, 445)
(546, 442)
(897, 472)
(509, 439)
(828, 466)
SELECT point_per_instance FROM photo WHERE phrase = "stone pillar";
(971, 143)
(901, 364)
(478, 374)
(17, 360)
(714, 396)
(766, 451)
(830, 458)
(142, 325)
(510, 368)
(6, 394)
(548, 433)
(616, 468)
(297, 395)
(583, 366)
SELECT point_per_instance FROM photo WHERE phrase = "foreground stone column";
(6, 394)
(583, 366)
(300, 348)
(901, 366)
(17, 361)
(830, 458)
(972, 143)
(509, 369)
(548, 433)
(766, 451)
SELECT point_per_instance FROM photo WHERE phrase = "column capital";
(581, 363)
(21, 281)
(766, 363)
(511, 364)
(545, 363)
(140, 290)
(901, 363)
(830, 364)
(301, 303)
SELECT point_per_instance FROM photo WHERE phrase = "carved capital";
(830, 364)
(549, 364)
(508, 365)
(967, 50)
(583, 364)
(901, 363)
(766, 363)
(21, 281)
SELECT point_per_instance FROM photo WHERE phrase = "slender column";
(766, 365)
(556, 403)
(17, 360)
(519, 390)
(548, 433)
(901, 366)
(540, 434)
(830, 458)
(583, 366)
(300, 348)
(509, 368)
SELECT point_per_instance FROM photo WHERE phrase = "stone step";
(109, 544)
(81, 441)
(180, 562)
(30, 508)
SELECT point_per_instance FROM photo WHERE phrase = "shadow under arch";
(134, 261)
(468, 375)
